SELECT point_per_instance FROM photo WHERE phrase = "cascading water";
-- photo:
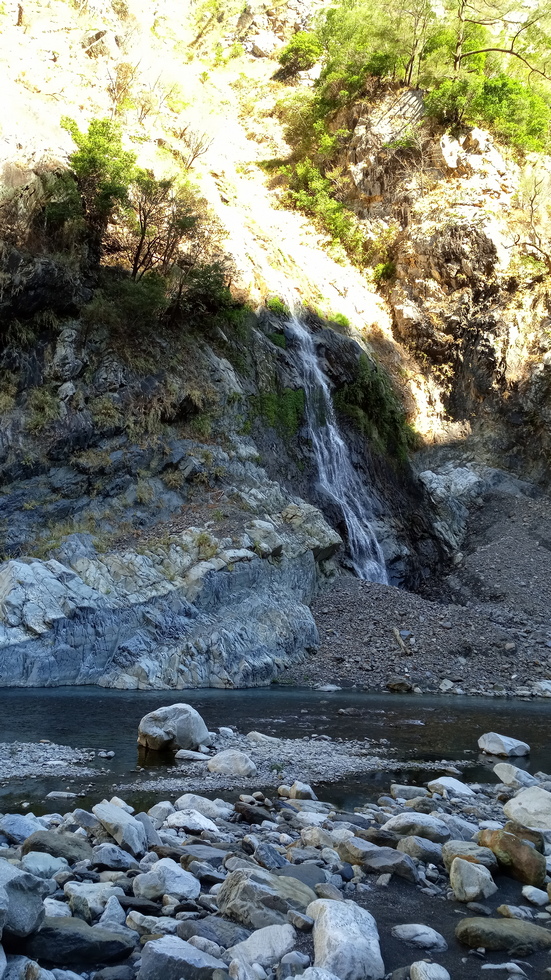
(336, 474)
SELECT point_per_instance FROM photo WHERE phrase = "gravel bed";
(31, 759)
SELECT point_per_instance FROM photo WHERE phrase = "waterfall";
(336, 474)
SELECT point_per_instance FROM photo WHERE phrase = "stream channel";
(418, 729)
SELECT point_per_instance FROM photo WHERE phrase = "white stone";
(166, 878)
(535, 895)
(232, 762)
(177, 726)
(171, 958)
(55, 909)
(316, 973)
(42, 865)
(346, 940)
(494, 744)
(190, 820)
(453, 786)
(417, 934)
(419, 825)
(514, 777)
(261, 739)
(471, 882)
(531, 808)
(128, 832)
(20, 900)
(302, 791)
(265, 946)
(88, 899)
(209, 808)
(420, 970)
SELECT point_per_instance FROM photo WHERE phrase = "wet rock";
(346, 940)
(515, 857)
(72, 847)
(470, 882)
(20, 901)
(172, 958)
(127, 831)
(68, 941)
(531, 807)
(418, 825)
(399, 684)
(266, 946)
(520, 938)
(257, 898)
(419, 935)
(494, 744)
(231, 762)
(468, 851)
(177, 726)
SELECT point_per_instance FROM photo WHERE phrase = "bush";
(125, 305)
(301, 53)
(310, 191)
(373, 406)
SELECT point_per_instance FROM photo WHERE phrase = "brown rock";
(524, 833)
(519, 938)
(515, 857)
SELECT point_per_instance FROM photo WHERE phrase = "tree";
(104, 171)
(300, 54)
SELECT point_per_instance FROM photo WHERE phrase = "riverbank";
(433, 876)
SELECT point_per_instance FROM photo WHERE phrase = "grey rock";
(224, 932)
(419, 935)
(469, 851)
(232, 762)
(167, 878)
(421, 849)
(42, 865)
(69, 846)
(494, 744)
(69, 941)
(127, 831)
(22, 968)
(418, 825)
(113, 858)
(421, 970)
(21, 903)
(257, 898)
(17, 827)
(470, 882)
(266, 946)
(346, 940)
(172, 958)
(177, 726)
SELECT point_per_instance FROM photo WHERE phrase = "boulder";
(399, 792)
(346, 940)
(88, 899)
(418, 825)
(265, 946)
(21, 906)
(42, 865)
(127, 831)
(192, 821)
(172, 958)
(421, 970)
(449, 784)
(17, 827)
(167, 878)
(301, 791)
(515, 857)
(421, 849)
(517, 937)
(421, 936)
(494, 744)
(113, 858)
(471, 882)
(178, 726)
(513, 776)
(232, 762)
(72, 847)
(209, 808)
(537, 896)
(64, 941)
(258, 898)
(531, 807)
(468, 851)
(223, 932)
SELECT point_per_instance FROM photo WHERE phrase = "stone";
(514, 912)
(72, 847)
(52, 908)
(42, 865)
(17, 827)
(172, 958)
(166, 878)
(316, 973)
(127, 831)
(223, 932)
(537, 896)
(459, 828)
(518, 937)
(232, 762)
(309, 874)
(301, 791)
(209, 808)
(191, 821)
(68, 941)
(177, 726)
(513, 776)
(21, 903)
(421, 970)
(112, 857)
(346, 940)
(266, 946)
(452, 786)
(518, 859)
(534, 837)
(268, 857)
(418, 825)
(468, 851)
(470, 882)
(88, 899)
(421, 849)
(399, 684)
(258, 898)
(399, 792)
(531, 807)
(22, 968)
(421, 936)
(200, 852)
(494, 744)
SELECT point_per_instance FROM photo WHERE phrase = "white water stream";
(336, 475)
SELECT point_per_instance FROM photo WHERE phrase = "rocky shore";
(429, 882)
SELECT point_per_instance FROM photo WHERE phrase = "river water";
(419, 729)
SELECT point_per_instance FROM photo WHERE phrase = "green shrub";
(311, 192)
(341, 319)
(301, 53)
(384, 271)
(277, 306)
(278, 339)
(125, 305)
(281, 410)
(372, 405)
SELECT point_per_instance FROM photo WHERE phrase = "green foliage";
(341, 319)
(311, 191)
(44, 408)
(384, 271)
(281, 410)
(374, 408)
(159, 216)
(301, 53)
(278, 339)
(277, 306)
(127, 306)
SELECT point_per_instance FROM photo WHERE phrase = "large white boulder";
(471, 882)
(421, 970)
(531, 808)
(346, 940)
(450, 785)
(513, 776)
(266, 946)
(232, 762)
(494, 744)
(128, 832)
(177, 726)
